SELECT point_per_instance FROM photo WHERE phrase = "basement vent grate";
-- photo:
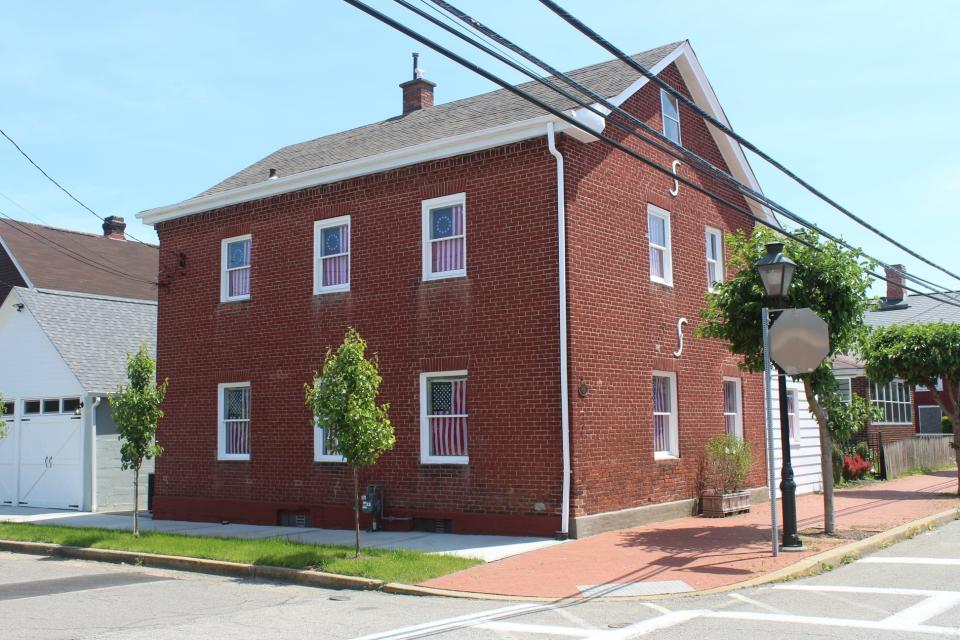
(293, 519)
(433, 525)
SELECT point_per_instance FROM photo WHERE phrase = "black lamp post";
(776, 272)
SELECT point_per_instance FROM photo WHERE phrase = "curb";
(810, 565)
(197, 565)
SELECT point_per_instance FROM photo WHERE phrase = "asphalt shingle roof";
(918, 308)
(477, 113)
(94, 333)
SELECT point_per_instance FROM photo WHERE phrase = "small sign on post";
(799, 341)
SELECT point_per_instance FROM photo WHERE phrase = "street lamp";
(776, 272)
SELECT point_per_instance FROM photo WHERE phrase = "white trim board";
(16, 263)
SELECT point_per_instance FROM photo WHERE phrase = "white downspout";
(93, 453)
(562, 282)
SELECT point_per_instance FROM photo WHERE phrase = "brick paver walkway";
(700, 552)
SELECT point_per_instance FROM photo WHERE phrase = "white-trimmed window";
(671, 116)
(235, 268)
(9, 409)
(714, 239)
(665, 422)
(331, 255)
(929, 417)
(845, 389)
(444, 229)
(443, 418)
(658, 236)
(733, 406)
(793, 414)
(325, 446)
(894, 400)
(233, 434)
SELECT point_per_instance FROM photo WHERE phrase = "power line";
(570, 120)
(22, 208)
(730, 180)
(623, 57)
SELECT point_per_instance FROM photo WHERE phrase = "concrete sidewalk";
(487, 548)
(693, 554)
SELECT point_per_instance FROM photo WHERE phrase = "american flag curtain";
(238, 268)
(336, 255)
(236, 404)
(657, 233)
(447, 241)
(730, 408)
(448, 417)
(661, 413)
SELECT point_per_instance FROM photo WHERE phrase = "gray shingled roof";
(481, 112)
(917, 308)
(94, 333)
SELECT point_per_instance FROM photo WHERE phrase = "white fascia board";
(16, 263)
(444, 148)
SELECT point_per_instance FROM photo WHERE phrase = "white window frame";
(426, 252)
(318, 227)
(667, 279)
(845, 396)
(224, 272)
(318, 447)
(664, 96)
(425, 456)
(920, 432)
(738, 422)
(795, 393)
(221, 425)
(718, 263)
(674, 421)
(881, 403)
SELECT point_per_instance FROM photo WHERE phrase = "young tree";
(343, 399)
(920, 354)
(829, 280)
(136, 411)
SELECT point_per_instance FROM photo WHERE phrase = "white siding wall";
(805, 451)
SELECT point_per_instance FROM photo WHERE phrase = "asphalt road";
(909, 590)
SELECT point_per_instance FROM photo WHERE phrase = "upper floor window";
(671, 116)
(233, 434)
(658, 235)
(733, 407)
(331, 254)
(444, 237)
(235, 269)
(714, 258)
(665, 421)
(443, 417)
(894, 400)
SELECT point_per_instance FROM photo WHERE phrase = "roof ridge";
(88, 296)
(74, 231)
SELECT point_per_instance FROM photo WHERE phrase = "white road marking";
(545, 629)
(755, 603)
(923, 593)
(925, 609)
(563, 613)
(907, 560)
(656, 607)
(651, 625)
(881, 625)
(449, 624)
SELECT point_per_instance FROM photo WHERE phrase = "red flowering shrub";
(855, 467)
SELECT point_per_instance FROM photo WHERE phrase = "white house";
(63, 353)
(804, 441)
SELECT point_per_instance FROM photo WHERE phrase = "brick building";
(437, 234)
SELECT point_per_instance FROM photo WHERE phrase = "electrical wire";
(623, 57)
(688, 154)
(398, 26)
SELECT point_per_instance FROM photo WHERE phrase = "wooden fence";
(925, 452)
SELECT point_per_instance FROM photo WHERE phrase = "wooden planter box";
(720, 506)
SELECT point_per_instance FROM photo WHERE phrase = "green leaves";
(727, 460)
(915, 353)
(3, 423)
(136, 411)
(343, 398)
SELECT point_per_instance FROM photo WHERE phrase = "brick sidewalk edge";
(807, 566)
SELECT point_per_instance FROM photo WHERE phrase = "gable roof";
(93, 333)
(916, 309)
(463, 126)
(59, 259)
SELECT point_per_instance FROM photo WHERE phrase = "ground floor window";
(325, 445)
(443, 418)
(793, 414)
(894, 400)
(929, 417)
(234, 430)
(665, 431)
(733, 407)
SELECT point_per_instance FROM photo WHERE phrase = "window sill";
(452, 460)
(225, 458)
(665, 457)
(320, 292)
(232, 300)
(435, 277)
(334, 459)
(664, 283)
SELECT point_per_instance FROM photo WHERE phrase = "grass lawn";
(405, 566)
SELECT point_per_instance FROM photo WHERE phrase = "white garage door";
(41, 461)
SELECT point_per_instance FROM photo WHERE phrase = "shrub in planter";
(726, 462)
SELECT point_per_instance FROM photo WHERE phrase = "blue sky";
(136, 105)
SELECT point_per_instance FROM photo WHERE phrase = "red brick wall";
(623, 326)
(9, 275)
(499, 323)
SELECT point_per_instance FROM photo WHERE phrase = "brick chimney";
(894, 275)
(417, 93)
(113, 227)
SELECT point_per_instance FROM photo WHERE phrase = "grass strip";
(394, 565)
